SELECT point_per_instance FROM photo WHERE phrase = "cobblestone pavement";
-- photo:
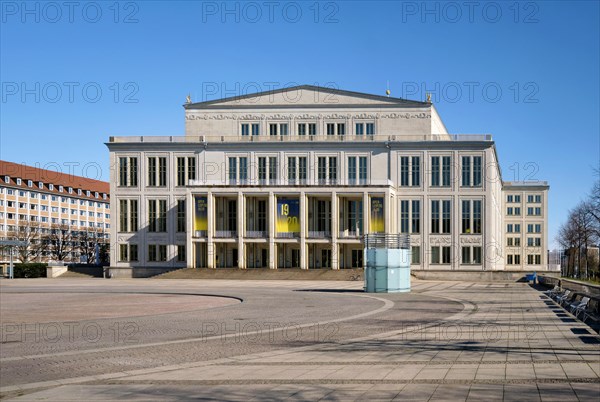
(297, 340)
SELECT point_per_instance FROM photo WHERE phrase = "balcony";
(257, 234)
(319, 234)
(290, 235)
(224, 234)
(349, 234)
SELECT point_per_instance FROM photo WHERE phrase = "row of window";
(45, 208)
(56, 221)
(70, 190)
(54, 198)
(531, 198)
(440, 174)
(360, 128)
(516, 228)
(531, 242)
(531, 211)
(297, 170)
(156, 253)
(157, 215)
(443, 255)
(441, 216)
(515, 259)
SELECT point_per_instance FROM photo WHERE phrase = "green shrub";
(30, 270)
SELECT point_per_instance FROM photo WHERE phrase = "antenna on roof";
(387, 89)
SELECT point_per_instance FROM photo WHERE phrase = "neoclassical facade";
(294, 178)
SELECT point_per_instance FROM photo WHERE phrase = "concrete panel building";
(37, 203)
(294, 178)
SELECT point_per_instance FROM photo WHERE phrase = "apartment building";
(51, 210)
(294, 178)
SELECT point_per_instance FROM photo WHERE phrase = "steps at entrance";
(72, 274)
(265, 274)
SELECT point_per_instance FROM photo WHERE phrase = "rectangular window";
(283, 129)
(232, 172)
(262, 170)
(477, 255)
(301, 128)
(415, 255)
(332, 169)
(435, 216)
(312, 128)
(416, 171)
(445, 216)
(435, 171)
(466, 171)
(272, 169)
(123, 252)
(445, 255)
(435, 254)
(404, 214)
(245, 129)
(341, 129)
(466, 255)
(477, 216)
(472, 217)
(446, 171)
(416, 216)
(181, 174)
(127, 172)
(360, 128)
(191, 168)
(362, 169)
(351, 170)
(181, 253)
(330, 128)
(509, 259)
(370, 128)
(272, 129)
(404, 167)
(157, 171)
(322, 169)
(243, 162)
(157, 215)
(292, 170)
(128, 215)
(477, 171)
(302, 171)
(255, 129)
(181, 215)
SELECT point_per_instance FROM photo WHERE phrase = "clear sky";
(74, 74)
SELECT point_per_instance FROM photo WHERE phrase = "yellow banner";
(377, 224)
(288, 215)
(200, 213)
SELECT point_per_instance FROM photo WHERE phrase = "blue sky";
(526, 72)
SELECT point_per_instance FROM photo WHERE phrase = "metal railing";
(257, 234)
(290, 235)
(319, 234)
(387, 240)
(349, 234)
(225, 233)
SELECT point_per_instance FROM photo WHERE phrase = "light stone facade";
(294, 178)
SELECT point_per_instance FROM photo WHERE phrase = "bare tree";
(31, 233)
(60, 242)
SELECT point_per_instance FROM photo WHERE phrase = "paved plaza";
(149, 339)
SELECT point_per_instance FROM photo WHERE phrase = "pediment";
(305, 96)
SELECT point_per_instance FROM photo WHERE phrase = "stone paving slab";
(509, 342)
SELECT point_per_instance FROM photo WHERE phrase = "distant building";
(294, 178)
(54, 212)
